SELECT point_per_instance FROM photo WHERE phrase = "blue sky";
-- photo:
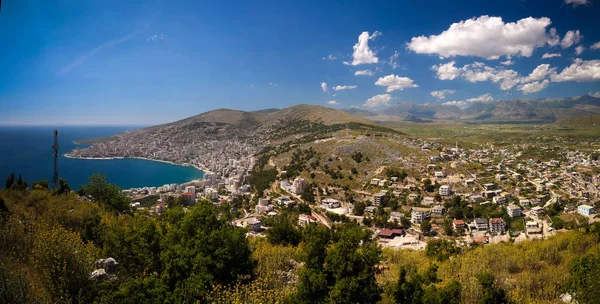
(148, 62)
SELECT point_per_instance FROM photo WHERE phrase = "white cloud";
(481, 98)
(579, 50)
(395, 82)
(324, 86)
(533, 87)
(580, 71)
(394, 60)
(362, 53)
(458, 103)
(465, 103)
(540, 72)
(333, 103)
(595, 46)
(507, 62)
(570, 38)
(479, 72)
(441, 94)
(550, 55)
(330, 57)
(553, 37)
(577, 2)
(364, 73)
(487, 37)
(344, 87)
(156, 37)
(272, 84)
(378, 100)
(446, 71)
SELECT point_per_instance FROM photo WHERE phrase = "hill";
(211, 139)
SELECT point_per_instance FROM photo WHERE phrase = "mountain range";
(503, 111)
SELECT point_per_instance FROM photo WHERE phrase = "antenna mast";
(55, 151)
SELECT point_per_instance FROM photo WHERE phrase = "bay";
(28, 151)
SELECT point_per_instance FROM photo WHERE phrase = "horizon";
(156, 63)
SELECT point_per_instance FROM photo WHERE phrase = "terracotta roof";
(496, 220)
(391, 232)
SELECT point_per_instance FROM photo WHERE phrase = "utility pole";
(55, 151)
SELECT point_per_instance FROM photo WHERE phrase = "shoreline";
(199, 167)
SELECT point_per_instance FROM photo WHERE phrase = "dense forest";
(53, 244)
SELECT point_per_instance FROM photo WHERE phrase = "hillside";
(503, 111)
(211, 139)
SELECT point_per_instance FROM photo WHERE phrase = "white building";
(499, 200)
(298, 185)
(330, 203)
(444, 190)
(418, 216)
(497, 225)
(513, 211)
(586, 210)
(190, 189)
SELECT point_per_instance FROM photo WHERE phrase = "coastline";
(198, 167)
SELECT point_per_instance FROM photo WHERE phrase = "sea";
(28, 151)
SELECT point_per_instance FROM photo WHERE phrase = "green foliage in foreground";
(48, 245)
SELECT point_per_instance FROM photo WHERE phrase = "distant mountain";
(503, 111)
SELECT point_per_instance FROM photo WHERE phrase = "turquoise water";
(28, 151)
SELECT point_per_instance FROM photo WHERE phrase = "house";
(513, 211)
(586, 210)
(437, 210)
(444, 190)
(391, 233)
(469, 182)
(435, 158)
(439, 174)
(428, 200)
(379, 198)
(499, 200)
(264, 206)
(330, 203)
(304, 219)
(569, 208)
(458, 224)
(375, 181)
(480, 224)
(254, 224)
(413, 196)
(524, 202)
(497, 225)
(160, 208)
(489, 186)
(537, 211)
(488, 194)
(395, 215)
(383, 183)
(476, 198)
(532, 227)
(370, 210)
(481, 240)
(418, 215)
(500, 177)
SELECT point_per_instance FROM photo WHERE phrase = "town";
(471, 196)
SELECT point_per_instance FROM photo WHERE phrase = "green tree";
(585, 278)
(447, 226)
(441, 249)
(408, 290)
(108, 195)
(63, 186)
(10, 180)
(350, 263)
(283, 232)
(359, 208)
(307, 195)
(491, 292)
(426, 226)
(200, 250)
